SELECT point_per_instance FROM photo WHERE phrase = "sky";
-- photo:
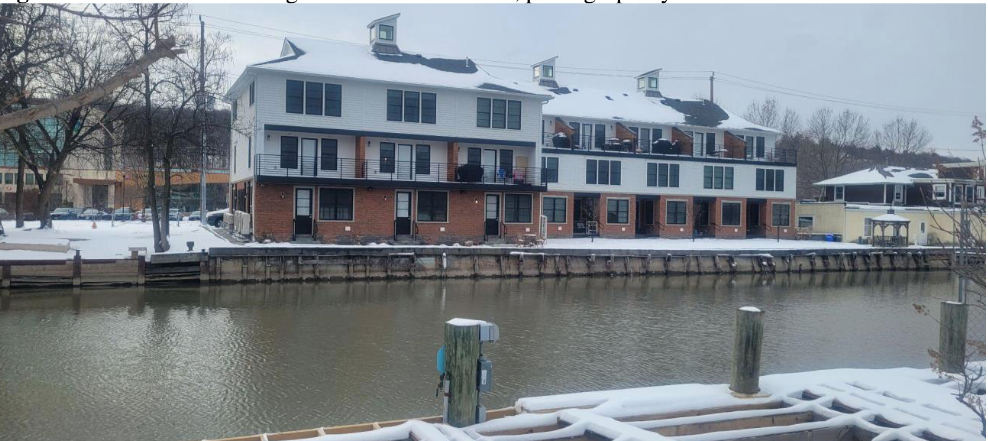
(929, 57)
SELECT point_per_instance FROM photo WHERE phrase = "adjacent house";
(346, 143)
(637, 163)
(929, 199)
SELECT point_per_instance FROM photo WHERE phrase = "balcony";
(309, 169)
(665, 147)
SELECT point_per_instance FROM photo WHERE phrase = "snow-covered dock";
(833, 405)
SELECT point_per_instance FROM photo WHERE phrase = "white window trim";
(842, 194)
(812, 220)
(867, 231)
(940, 188)
(740, 213)
(617, 223)
(504, 208)
(415, 207)
(565, 212)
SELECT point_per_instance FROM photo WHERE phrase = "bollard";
(953, 336)
(462, 381)
(747, 350)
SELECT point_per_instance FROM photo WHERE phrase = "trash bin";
(828, 238)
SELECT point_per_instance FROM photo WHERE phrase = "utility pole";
(711, 86)
(202, 120)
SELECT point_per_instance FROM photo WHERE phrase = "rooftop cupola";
(648, 83)
(544, 73)
(384, 35)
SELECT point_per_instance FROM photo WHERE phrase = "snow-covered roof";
(635, 107)
(356, 61)
(882, 175)
(889, 217)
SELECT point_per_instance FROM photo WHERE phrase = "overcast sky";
(912, 56)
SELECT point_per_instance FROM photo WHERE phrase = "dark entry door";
(403, 213)
(753, 220)
(492, 215)
(303, 211)
(584, 210)
(646, 216)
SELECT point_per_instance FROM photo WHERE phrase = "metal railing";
(388, 170)
(666, 148)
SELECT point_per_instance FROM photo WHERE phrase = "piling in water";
(745, 366)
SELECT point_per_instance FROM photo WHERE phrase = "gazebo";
(893, 222)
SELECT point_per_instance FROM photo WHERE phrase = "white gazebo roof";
(889, 217)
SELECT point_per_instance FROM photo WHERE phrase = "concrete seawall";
(253, 265)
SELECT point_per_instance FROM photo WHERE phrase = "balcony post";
(360, 155)
(452, 159)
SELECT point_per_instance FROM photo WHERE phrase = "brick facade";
(274, 210)
(607, 229)
(683, 141)
(734, 145)
(564, 229)
(784, 231)
(672, 230)
(716, 219)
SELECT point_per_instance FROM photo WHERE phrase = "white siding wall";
(244, 125)
(572, 177)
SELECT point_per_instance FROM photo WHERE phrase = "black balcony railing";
(666, 147)
(388, 170)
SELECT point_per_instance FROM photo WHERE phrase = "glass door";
(492, 211)
(404, 167)
(403, 213)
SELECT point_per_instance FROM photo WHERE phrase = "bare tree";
(835, 137)
(765, 113)
(902, 136)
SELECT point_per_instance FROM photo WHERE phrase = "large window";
(294, 96)
(730, 214)
(550, 169)
(335, 204)
(718, 177)
(289, 152)
(385, 32)
(599, 133)
(394, 105)
(411, 106)
(473, 155)
(251, 94)
(428, 108)
(554, 209)
(518, 208)
(767, 179)
(334, 100)
(423, 157)
(662, 175)
(498, 114)
(804, 222)
(313, 98)
(603, 172)
(387, 157)
(676, 212)
(617, 211)
(780, 215)
(432, 206)
(329, 154)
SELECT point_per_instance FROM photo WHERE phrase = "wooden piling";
(77, 269)
(953, 336)
(745, 366)
(462, 340)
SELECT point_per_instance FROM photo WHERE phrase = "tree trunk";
(19, 196)
(166, 197)
(44, 199)
(151, 200)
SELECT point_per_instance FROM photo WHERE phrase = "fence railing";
(666, 147)
(393, 170)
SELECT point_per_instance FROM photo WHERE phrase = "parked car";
(173, 214)
(214, 218)
(123, 214)
(66, 213)
(92, 214)
(194, 216)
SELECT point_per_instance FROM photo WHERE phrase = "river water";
(189, 363)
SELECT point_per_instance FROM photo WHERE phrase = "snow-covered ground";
(108, 242)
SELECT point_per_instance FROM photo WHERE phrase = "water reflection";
(195, 362)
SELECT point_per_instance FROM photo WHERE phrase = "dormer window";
(544, 73)
(386, 32)
(641, 83)
(653, 83)
(547, 71)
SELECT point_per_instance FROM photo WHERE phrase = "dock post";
(745, 365)
(953, 336)
(77, 269)
(462, 341)
(5, 274)
(203, 267)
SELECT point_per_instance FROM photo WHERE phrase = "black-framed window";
(550, 169)
(554, 209)
(518, 208)
(718, 177)
(294, 96)
(615, 172)
(708, 176)
(780, 180)
(411, 106)
(313, 98)
(506, 161)
(334, 100)
(394, 105)
(652, 174)
(385, 32)
(599, 132)
(759, 179)
(603, 172)
(676, 212)
(767, 179)
(250, 93)
(289, 152)
(432, 206)
(514, 115)
(663, 175)
(428, 108)
(335, 204)
(499, 112)
(617, 211)
(483, 112)
(730, 214)
(473, 155)
(329, 154)
(656, 134)
(781, 215)
(729, 178)
(760, 146)
(423, 158)
(387, 157)
(591, 171)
